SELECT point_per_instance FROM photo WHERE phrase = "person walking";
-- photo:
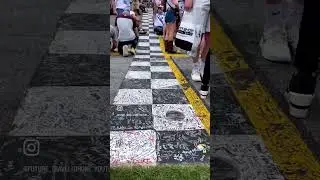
(301, 90)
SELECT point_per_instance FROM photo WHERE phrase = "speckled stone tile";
(154, 41)
(247, 154)
(138, 75)
(142, 56)
(131, 117)
(218, 80)
(140, 63)
(153, 45)
(133, 147)
(156, 54)
(158, 59)
(72, 70)
(143, 37)
(160, 69)
(162, 75)
(133, 97)
(183, 147)
(141, 51)
(65, 111)
(139, 68)
(80, 42)
(89, 22)
(165, 84)
(228, 123)
(175, 117)
(155, 48)
(224, 100)
(143, 47)
(141, 59)
(93, 7)
(136, 84)
(159, 64)
(143, 44)
(169, 96)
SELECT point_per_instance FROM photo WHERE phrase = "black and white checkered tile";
(152, 121)
(69, 91)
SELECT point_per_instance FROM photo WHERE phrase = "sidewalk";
(152, 120)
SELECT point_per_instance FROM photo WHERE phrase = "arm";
(188, 5)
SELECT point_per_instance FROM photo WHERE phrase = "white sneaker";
(195, 75)
(274, 45)
(125, 50)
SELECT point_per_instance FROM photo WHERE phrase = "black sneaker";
(204, 91)
(300, 94)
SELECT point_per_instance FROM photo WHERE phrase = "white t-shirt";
(159, 20)
(125, 26)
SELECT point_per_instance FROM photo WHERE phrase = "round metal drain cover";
(223, 170)
(175, 116)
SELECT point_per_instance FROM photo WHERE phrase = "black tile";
(162, 75)
(139, 68)
(168, 96)
(131, 117)
(88, 22)
(72, 70)
(136, 84)
(183, 146)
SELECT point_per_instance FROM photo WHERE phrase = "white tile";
(133, 96)
(142, 51)
(164, 84)
(138, 75)
(143, 44)
(155, 48)
(142, 56)
(188, 120)
(144, 37)
(154, 41)
(133, 148)
(156, 54)
(80, 42)
(158, 60)
(160, 69)
(140, 63)
(86, 7)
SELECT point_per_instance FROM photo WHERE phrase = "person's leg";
(274, 42)
(204, 90)
(303, 82)
(120, 45)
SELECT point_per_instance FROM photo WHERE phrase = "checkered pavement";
(69, 90)
(152, 122)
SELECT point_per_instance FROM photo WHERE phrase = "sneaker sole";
(203, 94)
(299, 104)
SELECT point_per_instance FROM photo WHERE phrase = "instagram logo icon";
(31, 147)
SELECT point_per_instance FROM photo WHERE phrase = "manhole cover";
(223, 170)
(175, 116)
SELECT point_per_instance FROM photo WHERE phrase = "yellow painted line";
(200, 109)
(283, 140)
